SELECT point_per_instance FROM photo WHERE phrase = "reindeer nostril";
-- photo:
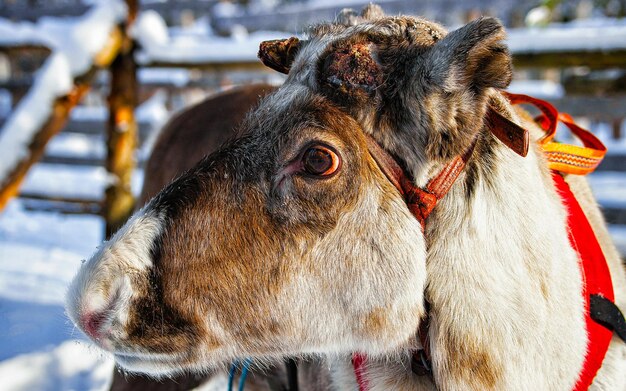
(92, 323)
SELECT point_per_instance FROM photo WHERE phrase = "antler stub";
(278, 54)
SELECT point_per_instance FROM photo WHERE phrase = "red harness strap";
(564, 158)
(596, 280)
(358, 363)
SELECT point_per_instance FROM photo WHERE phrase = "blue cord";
(231, 375)
(244, 374)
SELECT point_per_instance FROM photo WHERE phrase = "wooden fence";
(122, 130)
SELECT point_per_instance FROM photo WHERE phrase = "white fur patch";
(103, 284)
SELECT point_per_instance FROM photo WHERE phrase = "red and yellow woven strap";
(565, 158)
(573, 159)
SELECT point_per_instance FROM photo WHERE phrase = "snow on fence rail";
(594, 45)
(597, 43)
(78, 46)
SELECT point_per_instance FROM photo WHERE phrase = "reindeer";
(293, 240)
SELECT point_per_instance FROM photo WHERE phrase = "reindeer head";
(290, 239)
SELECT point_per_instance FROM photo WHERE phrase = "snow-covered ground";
(39, 348)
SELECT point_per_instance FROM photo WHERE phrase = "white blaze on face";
(102, 288)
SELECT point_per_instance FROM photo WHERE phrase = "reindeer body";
(290, 240)
(474, 248)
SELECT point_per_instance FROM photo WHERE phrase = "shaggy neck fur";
(505, 291)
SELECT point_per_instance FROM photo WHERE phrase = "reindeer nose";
(96, 305)
(96, 316)
(94, 324)
(99, 297)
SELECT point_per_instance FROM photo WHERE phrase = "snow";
(199, 50)
(89, 113)
(590, 35)
(52, 81)
(74, 43)
(70, 366)
(604, 132)
(22, 33)
(150, 30)
(80, 39)
(542, 89)
(618, 233)
(159, 45)
(178, 77)
(226, 9)
(208, 50)
(609, 188)
(6, 102)
(54, 178)
(58, 179)
(538, 16)
(77, 145)
(39, 255)
(153, 111)
(327, 4)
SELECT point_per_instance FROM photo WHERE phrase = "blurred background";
(85, 86)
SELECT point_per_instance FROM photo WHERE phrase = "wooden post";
(121, 134)
(617, 128)
(9, 186)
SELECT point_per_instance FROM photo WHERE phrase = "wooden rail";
(593, 59)
(47, 203)
(60, 114)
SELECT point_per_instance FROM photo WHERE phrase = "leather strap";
(511, 134)
(605, 312)
(420, 201)
(547, 121)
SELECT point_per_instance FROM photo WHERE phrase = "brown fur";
(181, 269)
(194, 133)
(474, 363)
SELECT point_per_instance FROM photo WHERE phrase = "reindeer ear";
(473, 56)
(279, 54)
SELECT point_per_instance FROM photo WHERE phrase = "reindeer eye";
(320, 161)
